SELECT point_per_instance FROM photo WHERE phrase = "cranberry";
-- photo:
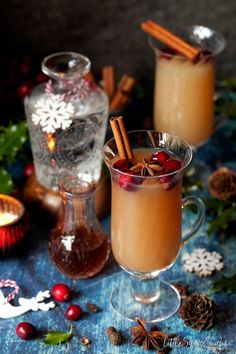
(160, 156)
(128, 181)
(74, 312)
(122, 165)
(172, 165)
(25, 330)
(168, 182)
(28, 170)
(165, 179)
(61, 292)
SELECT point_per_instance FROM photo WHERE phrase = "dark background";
(108, 31)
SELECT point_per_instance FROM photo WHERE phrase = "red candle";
(14, 224)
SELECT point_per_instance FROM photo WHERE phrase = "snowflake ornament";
(53, 114)
(202, 262)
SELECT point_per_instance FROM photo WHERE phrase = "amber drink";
(146, 220)
(183, 99)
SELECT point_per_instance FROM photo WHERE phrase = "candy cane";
(9, 284)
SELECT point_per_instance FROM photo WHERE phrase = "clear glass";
(67, 118)
(146, 221)
(184, 89)
(78, 245)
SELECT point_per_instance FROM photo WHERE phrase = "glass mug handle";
(189, 232)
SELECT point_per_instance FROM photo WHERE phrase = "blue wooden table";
(34, 272)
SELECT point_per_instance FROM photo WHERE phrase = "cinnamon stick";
(108, 75)
(121, 138)
(170, 39)
(119, 100)
(118, 138)
(125, 138)
(127, 84)
(123, 92)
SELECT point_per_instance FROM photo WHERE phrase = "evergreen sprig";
(227, 284)
(222, 214)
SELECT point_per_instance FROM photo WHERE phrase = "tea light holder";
(14, 224)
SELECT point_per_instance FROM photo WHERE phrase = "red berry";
(165, 179)
(25, 68)
(168, 182)
(128, 181)
(122, 165)
(160, 156)
(28, 170)
(41, 77)
(25, 330)
(24, 88)
(74, 312)
(172, 165)
(61, 292)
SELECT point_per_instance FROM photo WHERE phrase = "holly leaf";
(227, 284)
(6, 182)
(54, 337)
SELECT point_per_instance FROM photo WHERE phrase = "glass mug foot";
(163, 303)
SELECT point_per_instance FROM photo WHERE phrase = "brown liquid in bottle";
(79, 256)
(78, 246)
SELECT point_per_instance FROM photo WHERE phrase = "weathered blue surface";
(35, 272)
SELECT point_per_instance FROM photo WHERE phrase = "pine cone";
(198, 312)
(222, 184)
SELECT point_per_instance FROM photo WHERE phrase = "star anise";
(146, 168)
(147, 339)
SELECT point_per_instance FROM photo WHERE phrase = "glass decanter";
(78, 245)
(67, 118)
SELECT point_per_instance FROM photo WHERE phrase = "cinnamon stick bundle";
(121, 138)
(170, 39)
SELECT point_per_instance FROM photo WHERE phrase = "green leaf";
(222, 213)
(6, 183)
(12, 139)
(222, 221)
(227, 284)
(54, 337)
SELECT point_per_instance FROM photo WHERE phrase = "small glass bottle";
(67, 119)
(78, 245)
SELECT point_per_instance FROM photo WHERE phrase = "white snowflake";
(202, 262)
(53, 113)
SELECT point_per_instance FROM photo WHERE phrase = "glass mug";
(146, 220)
(184, 89)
